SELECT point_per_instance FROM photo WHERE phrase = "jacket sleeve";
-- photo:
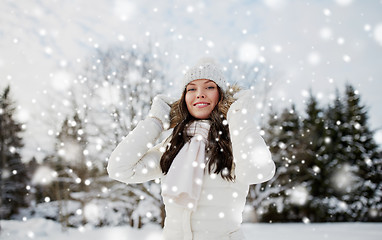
(253, 161)
(134, 160)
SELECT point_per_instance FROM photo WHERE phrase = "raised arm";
(134, 160)
(253, 161)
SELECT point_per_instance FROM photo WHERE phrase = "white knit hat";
(206, 68)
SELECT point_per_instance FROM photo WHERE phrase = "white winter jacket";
(218, 215)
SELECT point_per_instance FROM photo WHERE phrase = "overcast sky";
(305, 44)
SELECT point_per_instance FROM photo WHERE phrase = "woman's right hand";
(160, 109)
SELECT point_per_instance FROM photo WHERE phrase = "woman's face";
(202, 95)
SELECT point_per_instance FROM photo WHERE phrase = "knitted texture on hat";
(206, 68)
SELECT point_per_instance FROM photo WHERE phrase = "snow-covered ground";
(42, 229)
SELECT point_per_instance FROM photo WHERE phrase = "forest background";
(55, 148)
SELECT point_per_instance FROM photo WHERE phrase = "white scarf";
(183, 181)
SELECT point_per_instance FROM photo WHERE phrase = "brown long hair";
(218, 148)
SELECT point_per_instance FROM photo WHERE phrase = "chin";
(201, 114)
(201, 117)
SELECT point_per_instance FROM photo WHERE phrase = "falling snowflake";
(71, 151)
(92, 213)
(61, 81)
(326, 33)
(109, 95)
(343, 179)
(22, 115)
(346, 58)
(299, 195)
(327, 12)
(248, 53)
(44, 175)
(316, 169)
(124, 10)
(314, 58)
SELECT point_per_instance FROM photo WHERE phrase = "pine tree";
(328, 165)
(363, 160)
(283, 137)
(13, 175)
(313, 161)
(348, 163)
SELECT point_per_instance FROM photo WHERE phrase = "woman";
(213, 154)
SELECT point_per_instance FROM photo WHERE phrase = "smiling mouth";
(201, 104)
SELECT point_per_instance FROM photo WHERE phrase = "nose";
(200, 94)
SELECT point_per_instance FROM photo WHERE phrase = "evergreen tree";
(342, 186)
(363, 162)
(328, 165)
(13, 175)
(283, 137)
(315, 172)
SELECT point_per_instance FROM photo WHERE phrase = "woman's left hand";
(244, 103)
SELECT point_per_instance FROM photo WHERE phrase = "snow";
(41, 229)
(299, 231)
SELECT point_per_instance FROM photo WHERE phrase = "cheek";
(215, 97)
(188, 99)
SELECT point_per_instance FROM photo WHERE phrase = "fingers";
(167, 99)
(244, 102)
(160, 109)
(247, 94)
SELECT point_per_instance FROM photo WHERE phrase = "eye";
(211, 87)
(190, 89)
